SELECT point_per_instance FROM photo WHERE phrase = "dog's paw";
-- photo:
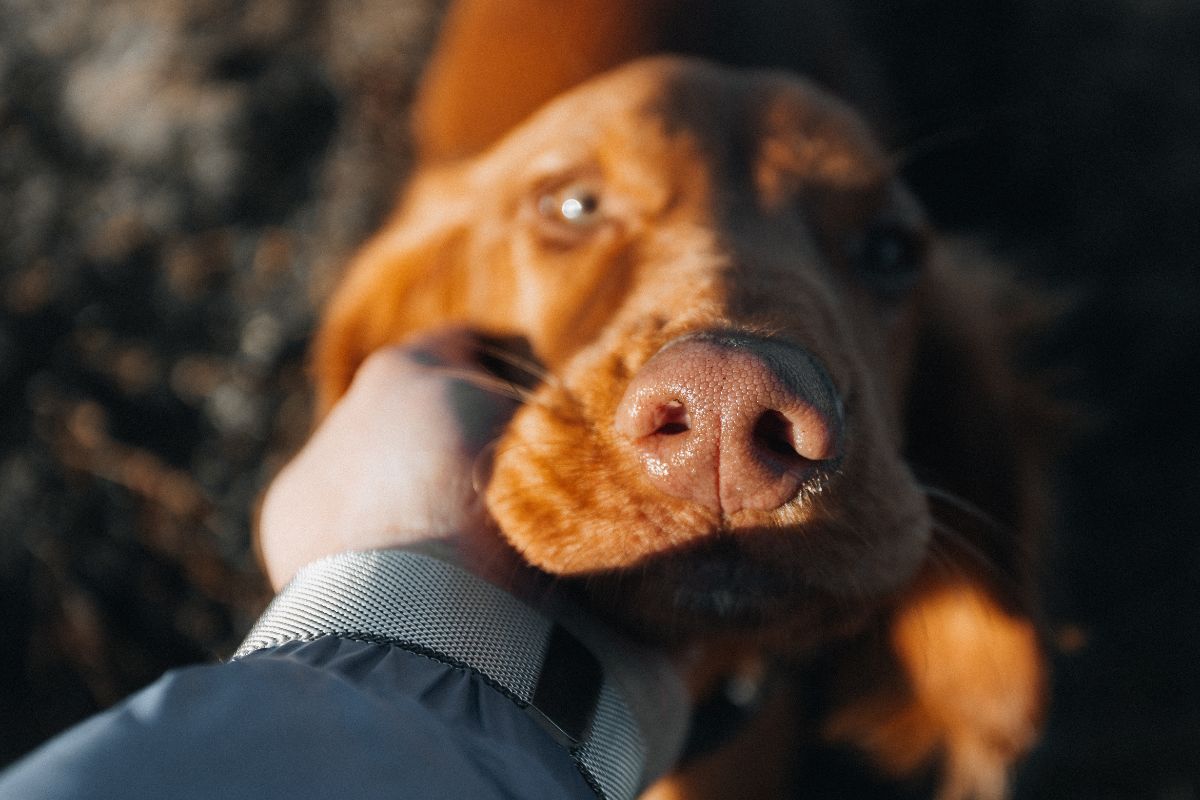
(975, 769)
(976, 671)
(968, 698)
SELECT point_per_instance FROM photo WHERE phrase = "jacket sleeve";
(383, 674)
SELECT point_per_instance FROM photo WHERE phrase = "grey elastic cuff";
(620, 712)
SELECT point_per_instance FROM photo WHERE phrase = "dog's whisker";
(945, 537)
(482, 466)
(955, 548)
(973, 127)
(526, 365)
(487, 382)
(845, 527)
(944, 561)
(994, 526)
(965, 506)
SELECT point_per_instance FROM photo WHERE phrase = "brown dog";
(751, 342)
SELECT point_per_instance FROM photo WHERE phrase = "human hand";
(395, 462)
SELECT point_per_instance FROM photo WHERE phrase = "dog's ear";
(410, 277)
(497, 61)
(978, 430)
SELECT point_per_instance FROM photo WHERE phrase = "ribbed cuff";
(619, 709)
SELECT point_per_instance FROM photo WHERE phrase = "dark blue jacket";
(389, 674)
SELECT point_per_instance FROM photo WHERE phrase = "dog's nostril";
(773, 433)
(730, 423)
(671, 418)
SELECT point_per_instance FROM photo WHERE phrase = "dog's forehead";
(748, 120)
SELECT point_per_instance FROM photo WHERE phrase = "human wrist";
(533, 650)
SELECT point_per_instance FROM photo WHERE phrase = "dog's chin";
(718, 590)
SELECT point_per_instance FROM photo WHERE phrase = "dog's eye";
(576, 205)
(890, 256)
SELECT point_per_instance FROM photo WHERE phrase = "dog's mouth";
(713, 586)
(730, 593)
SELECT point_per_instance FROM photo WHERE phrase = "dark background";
(179, 183)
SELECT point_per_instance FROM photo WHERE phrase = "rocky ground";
(179, 183)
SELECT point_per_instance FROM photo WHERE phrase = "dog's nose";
(731, 422)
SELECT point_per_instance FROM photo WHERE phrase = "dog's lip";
(681, 603)
(727, 598)
(685, 603)
(721, 578)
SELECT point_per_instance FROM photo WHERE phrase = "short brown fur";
(734, 201)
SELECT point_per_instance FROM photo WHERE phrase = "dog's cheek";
(543, 504)
(863, 533)
(884, 526)
(887, 333)
(570, 505)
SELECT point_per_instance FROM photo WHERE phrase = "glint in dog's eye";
(890, 257)
(577, 205)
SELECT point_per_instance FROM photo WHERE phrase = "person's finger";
(450, 359)
(400, 458)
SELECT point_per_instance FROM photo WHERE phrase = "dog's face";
(718, 271)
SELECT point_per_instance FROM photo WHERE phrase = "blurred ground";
(180, 180)
(179, 183)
